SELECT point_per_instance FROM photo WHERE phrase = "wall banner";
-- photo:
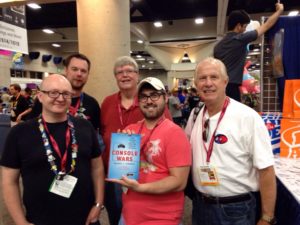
(13, 33)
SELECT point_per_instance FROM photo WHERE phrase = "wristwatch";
(268, 219)
(98, 205)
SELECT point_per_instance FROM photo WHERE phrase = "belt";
(224, 200)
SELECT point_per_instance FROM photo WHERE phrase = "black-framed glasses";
(205, 130)
(56, 94)
(154, 96)
(121, 72)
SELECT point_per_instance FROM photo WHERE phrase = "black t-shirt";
(91, 109)
(19, 106)
(24, 150)
(193, 101)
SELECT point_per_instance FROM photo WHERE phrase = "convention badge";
(63, 186)
(208, 176)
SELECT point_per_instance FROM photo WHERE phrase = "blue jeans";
(239, 213)
(113, 202)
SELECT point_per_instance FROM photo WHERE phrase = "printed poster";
(13, 33)
(124, 156)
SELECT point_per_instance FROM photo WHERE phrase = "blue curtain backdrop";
(291, 48)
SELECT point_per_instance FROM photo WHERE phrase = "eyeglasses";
(121, 72)
(56, 94)
(153, 96)
(205, 130)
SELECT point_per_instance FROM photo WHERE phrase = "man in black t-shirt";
(59, 159)
(77, 68)
(19, 104)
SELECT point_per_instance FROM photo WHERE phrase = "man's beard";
(153, 116)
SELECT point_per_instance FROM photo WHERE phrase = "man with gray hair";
(232, 155)
(118, 111)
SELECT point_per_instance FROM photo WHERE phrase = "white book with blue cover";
(124, 156)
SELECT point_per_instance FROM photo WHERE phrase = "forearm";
(166, 185)
(270, 21)
(267, 183)
(176, 181)
(27, 111)
(12, 198)
(98, 180)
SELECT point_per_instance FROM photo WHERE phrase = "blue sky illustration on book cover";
(124, 156)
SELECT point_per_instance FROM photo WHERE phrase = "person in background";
(118, 111)
(157, 196)
(27, 95)
(232, 155)
(19, 103)
(59, 159)
(232, 49)
(193, 99)
(77, 68)
(175, 107)
(5, 98)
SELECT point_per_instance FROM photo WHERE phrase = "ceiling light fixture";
(151, 62)
(138, 56)
(293, 13)
(158, 24)
(199, 21)
(140, 41)
(34, 6)
(185, 58)
(56, 45)
(48, 31)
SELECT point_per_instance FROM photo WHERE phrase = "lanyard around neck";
(149, 136)
(75, 110)
(69, 138)
(211, 143)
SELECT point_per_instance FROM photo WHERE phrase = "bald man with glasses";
(59, 159)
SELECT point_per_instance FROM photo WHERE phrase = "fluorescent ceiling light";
(140, 41)
(143, 66)
(34, 6)
(157, 24)
(151, 62)
(293, 13)
(140, 59)
(56, 45)
(48, 31)
(138, 56)
(199, 20)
